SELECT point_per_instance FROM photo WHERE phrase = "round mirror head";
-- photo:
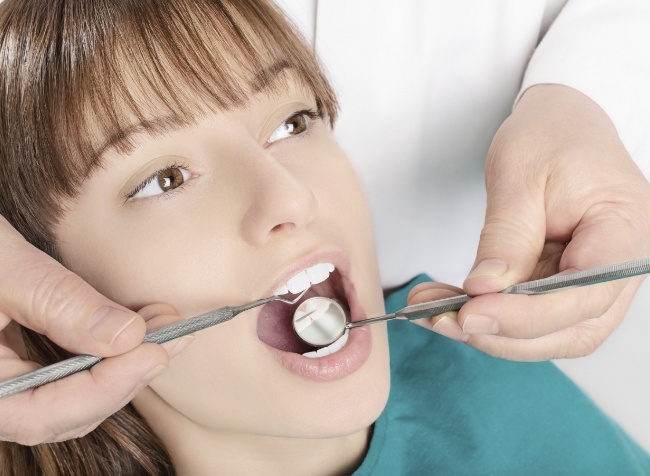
(319, 321)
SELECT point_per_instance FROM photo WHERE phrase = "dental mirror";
(319, 321)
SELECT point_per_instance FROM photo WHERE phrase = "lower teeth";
(330, 349)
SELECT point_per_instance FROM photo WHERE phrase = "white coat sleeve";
(600, 48)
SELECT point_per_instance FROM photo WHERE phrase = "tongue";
(274, 327)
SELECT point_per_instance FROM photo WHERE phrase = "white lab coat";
(424, 85)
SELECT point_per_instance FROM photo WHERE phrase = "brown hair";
(75, 76)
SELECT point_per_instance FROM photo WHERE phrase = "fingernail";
(448, 327)
(478, 324)
(107, 323)
(176, 346)
(489, 267)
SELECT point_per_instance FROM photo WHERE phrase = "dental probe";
(328, 325)
(587, 277)
(78, 363)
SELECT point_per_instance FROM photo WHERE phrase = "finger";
(80, 400)
(573, 342)
(157, 309)
(12, 366)
(609, 233)
(526, 317)
(160, 315)
(11, 337)
(76, 433)
(514, 232)
(41, 294)
(444, 324)
(605, 235)
(579, 340)
(431, 291)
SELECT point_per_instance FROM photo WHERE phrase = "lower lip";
(331, 367)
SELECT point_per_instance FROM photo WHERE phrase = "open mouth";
(275, 321)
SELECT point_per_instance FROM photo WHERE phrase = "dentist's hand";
(563, 195)
(38, 293)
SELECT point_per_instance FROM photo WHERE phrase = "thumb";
(39, 293)
(512, 238)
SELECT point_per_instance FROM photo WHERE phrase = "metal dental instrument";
(587, 277)
(78, 363)
(327, 322)
(331, 318)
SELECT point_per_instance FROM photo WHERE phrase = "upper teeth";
(301, 281)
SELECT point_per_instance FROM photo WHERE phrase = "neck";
(195, 449)
(238, 454)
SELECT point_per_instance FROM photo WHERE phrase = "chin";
(328, 409)
(347, 416)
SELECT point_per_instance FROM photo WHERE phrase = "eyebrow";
(158, 126)
(263, 80)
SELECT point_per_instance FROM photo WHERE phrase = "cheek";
(340, 195)
(136, 263)
(344, 206)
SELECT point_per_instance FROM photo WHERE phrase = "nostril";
(283, 227)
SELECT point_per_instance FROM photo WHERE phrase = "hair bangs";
(180, 59)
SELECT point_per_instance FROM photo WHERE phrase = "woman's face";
(223, 212)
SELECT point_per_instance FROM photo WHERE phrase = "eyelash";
(310, 113)
(152, 177)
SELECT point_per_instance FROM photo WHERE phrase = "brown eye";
(163, 181)
(296, 124)
(292, 126)
(170, 179)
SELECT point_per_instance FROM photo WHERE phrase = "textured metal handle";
(189, 326)
(84, 362)
(582, 278)
(419, 311)
(587, 277)
(47, 374)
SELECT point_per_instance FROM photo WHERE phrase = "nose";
(282, 202)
